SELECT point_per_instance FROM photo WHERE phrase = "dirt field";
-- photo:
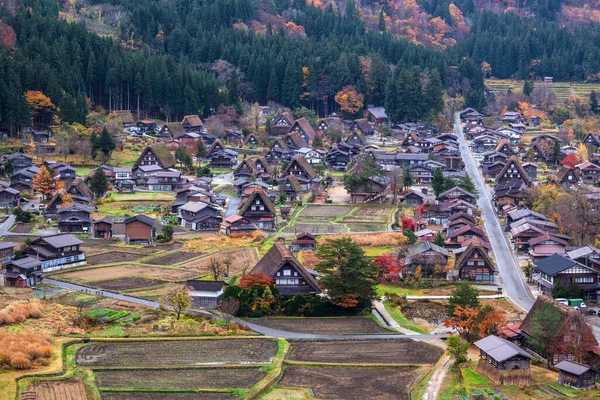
(373, 212)
(123, 271)
(22, 228)
(344, 383)
(240, 258)
(206, 378)
(316, 228)
(128, 283)
(173, 258)
(177, 353)
(325, 326)
(172, 396)
(112, 258)
(394, 351)
(334, 211)
(60, 390)
(370, 227)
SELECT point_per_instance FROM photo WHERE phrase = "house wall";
(137, 230)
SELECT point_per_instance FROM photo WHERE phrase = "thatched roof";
(464, 256)
(265, 199)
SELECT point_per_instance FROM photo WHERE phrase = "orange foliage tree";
(491, 323)
(40, 106)
(43, 182)
(463, 321)
(67, 200)
(8, 38)
(349, 100)
(255, 280)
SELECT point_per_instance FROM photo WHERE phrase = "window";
(287, 272)
(287, 281)
(583, 279)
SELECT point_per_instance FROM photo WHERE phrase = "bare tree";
(216, 267)
(227, 262)
(544, 96)
(579, 216)
(254, 117)
(228, 308)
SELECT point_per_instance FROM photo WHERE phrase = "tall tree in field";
(105, 143)
(407, 179)
(582, 153)
(438, 182)
(347, 275)
(593, 102)
(201, 151)
(178, 299)
(99, 183)
(527, 88)
(44, 183)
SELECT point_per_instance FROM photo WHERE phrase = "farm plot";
(59, 390)
(327, 211)
(316, 228)
(96, 275)
(172, 396)
(175, 257)
(345, 383)
(177, 353)
(371, 227)
(393, 351)
(112, 258)
(239, 258)
(325, 326)
(128, 283)
(205, 378)
(22, 228)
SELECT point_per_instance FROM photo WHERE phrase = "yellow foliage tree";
(43, 182)
(40, 105)
(67, 200)
(349, 100)
(582, 153)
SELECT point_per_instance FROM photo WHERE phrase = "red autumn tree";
(408, 223)
(388, 264)
(255, 280)
(8, 38)
(491, 323)
(463, 321)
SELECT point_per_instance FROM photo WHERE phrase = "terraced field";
(563, 89)
(319, 219)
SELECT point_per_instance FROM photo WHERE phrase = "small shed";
(304, 241)
(205, 294)
(103, 228)
(579, 376)
(503, 362)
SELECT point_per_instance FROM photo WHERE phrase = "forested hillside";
(176, 57)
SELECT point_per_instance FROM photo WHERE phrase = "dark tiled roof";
(141, 218)
(556, 263)
(572, 367)
(208, 286)
(61, 240)
(500, 349)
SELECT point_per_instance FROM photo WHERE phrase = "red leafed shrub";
(408, 223)
(8, 38)
(255, 280)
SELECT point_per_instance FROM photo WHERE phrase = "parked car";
(41, 207)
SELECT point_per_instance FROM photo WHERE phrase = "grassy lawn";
(282, 393)
(123, 158)
(143, 196)
(401, 319)
(83, 171)
(452, 386)
(377, 251)
(383, 288)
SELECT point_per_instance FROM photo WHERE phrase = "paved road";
(6, 225)
(511, 278)
(232, 205)
(256, 328)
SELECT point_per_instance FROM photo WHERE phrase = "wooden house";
(503, 362)
(375, 190)
(376, 115)
(259, 210)
(363, 126)
(592, 140)
(147, 126)
(572, 336)
(356, 138)
(291, 278)
(586, 255)
(236, 224)
(546, 245)
(567, 177)
(102, 228)
(171, 131)
(205, 294)
(557, 267)
(428, 256)
(531, 170)
(7, 252)
(24, 272)
(282, 124)
(474, 264)
(422, 174)
(221, 157)
(457, 193)
(22, 180)
(589, 172)
(416, 198)
(294, 141)
(510, 192)
(303, 172)
(291, 188)
(306, 131)
(512, 116)
(57, 252)
(279, 152)
(468, 231)
(339, 157)
(165, 181)
(332, 123)
(304, 241)
(233, 137)
(20, 160)
(74, 218)
(200, 216)
(9, 197)
(512, 171)
(153, 159)
(192, 123)
(140, 229)
(252, 140)
(576, 375)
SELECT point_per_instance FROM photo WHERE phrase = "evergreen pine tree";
(381, 24)
(527, 88)
(593, 102)
(438, 182)
(99, 183)
(434, 93)
(105, 143)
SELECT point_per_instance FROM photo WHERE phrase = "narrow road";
(255, 327)
(511, 278)
(232, 205)
(6, 225)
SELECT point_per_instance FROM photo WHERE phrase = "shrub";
(18, 317)
(396, 299)
(5, 318)
(20, 361)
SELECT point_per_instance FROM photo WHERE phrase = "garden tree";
(268, 127)
(528, 270)
(434, 93)
(490, 321)
(254, 117)
(408, 223)
(266, 301)
(317, 142)
(410, 236)
(347, 275)
(418, 274)
(540, 198)
(556, 152)
(201, 151)
(349, 100)
(457, 348)
(99, 183)
(167, 231)
(180, 156)
(439, 239)
(67, 200)
(255, 280)
(543, 96)
(582, 153)
(465, 296)
(41, 107)
(560, 115)
(577, 216)
(545, 324)
(44, 183)
(105, 143)
(228, 308)
(407, 178)
(204, 171)
(570, 291)
(303, 112)
(215, 267)
(467, 184)
(21, 215)
(438, 182)
(178, 299)
(62, 144)
(387, 264)
(8, 167)
(593, 102)
(449, 183)
(463, 322)
(527, 88)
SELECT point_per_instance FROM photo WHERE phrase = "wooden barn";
(579, 376)
(503, 362)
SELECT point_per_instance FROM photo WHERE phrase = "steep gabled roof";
(281, 142)
(249, 163)
(305, 165)
(265, 199)
(296, 138)
(464, 256)
(500, 349)
(363, 125)
(463, 191)
(276, 257)
(161, 153)
(141, 218)
(81, 187)
(193, 120)
(263, 161)
(293, 181)
(514, 161)
(564, 171)
(305, 126)
(176, 129)
(556, 263)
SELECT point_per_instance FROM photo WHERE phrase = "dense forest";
(176, 57)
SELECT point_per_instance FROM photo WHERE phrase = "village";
(306, 241)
